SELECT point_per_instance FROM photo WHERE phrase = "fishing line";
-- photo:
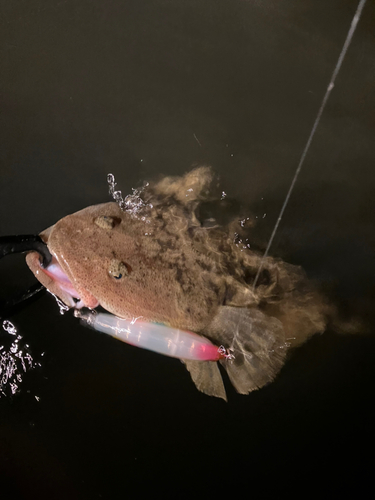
(342, 55)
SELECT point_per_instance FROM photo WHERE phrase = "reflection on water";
(15, 359)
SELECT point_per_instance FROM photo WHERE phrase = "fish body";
(162, 265)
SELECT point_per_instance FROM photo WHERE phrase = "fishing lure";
(156, 337)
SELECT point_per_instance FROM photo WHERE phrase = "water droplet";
(15, 360)
(132, 203)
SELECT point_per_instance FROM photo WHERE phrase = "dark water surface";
(147, 88)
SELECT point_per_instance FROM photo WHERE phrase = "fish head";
(98, 259)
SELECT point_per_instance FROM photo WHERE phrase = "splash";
(15, 360)
(132, 203)
(63, 308)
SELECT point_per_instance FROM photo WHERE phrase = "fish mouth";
(57, 281)
(55, 272)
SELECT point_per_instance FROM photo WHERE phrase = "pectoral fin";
(206, 376)
(258, 344)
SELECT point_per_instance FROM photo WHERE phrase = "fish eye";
(118, 269)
